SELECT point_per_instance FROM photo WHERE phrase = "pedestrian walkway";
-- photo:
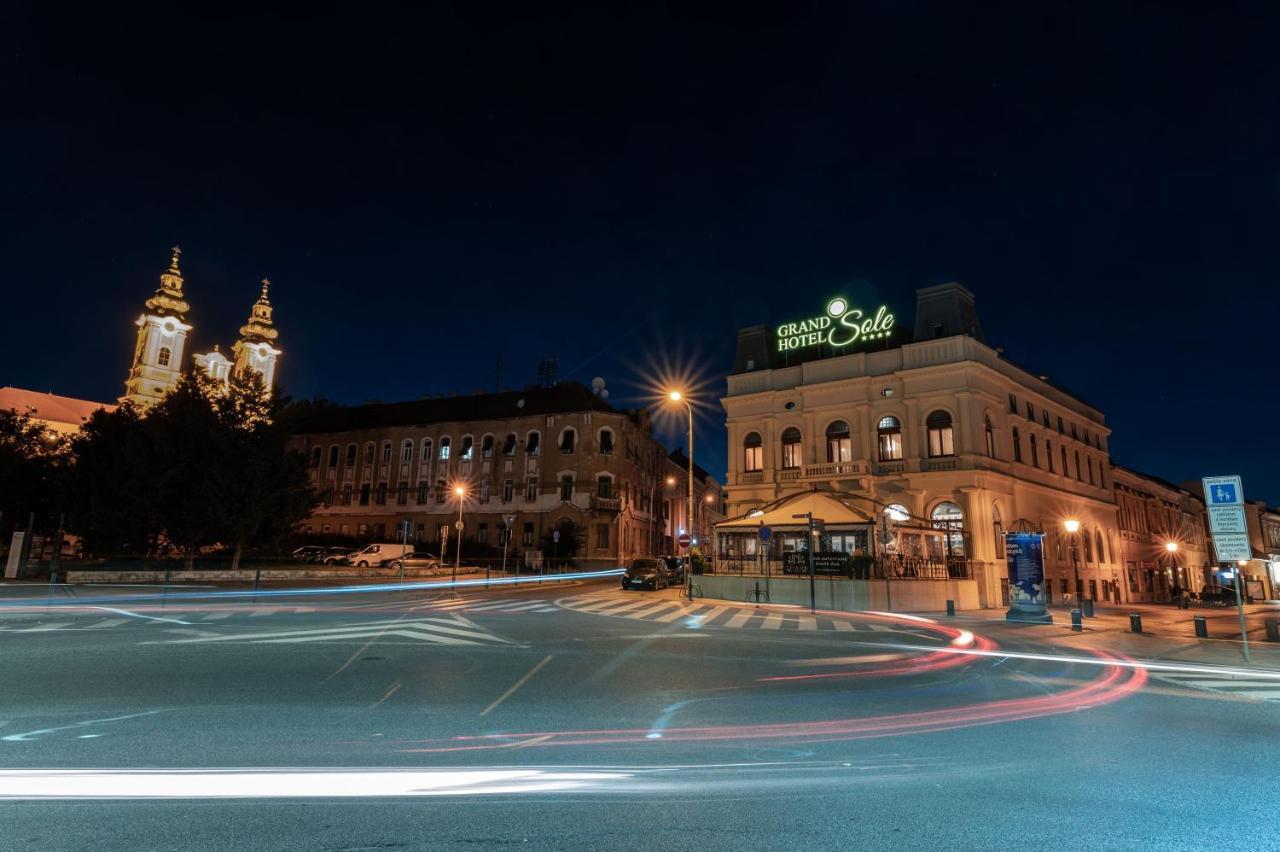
(1256, 688)
(667, 608)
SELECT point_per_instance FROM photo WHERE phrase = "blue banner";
(1025, 555)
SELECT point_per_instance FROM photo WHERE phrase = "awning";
(830, 508)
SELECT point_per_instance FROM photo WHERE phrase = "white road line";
(680, 612)
(772, 622)
(523, 607)
(260, 612)
(547, 609)
(41, 629)
(592, 607)
(495, 604)
(739, 619)
(217, 616)
(808, 622)
(842, 626)
(706, 617)
(108, 622)
(423, 624)
(627, 607)
(401, 632)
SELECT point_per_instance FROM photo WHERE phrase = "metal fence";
(856, 568)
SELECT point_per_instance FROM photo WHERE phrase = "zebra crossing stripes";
(1257, 688)
(665, 610)
(446, 630)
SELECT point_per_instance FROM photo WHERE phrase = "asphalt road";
(581, 717)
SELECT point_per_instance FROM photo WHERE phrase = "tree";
(114, 483)
(32, 465)
(572, 540)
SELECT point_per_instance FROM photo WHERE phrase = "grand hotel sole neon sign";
(839, 327)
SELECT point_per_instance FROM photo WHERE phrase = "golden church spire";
(259, 328)
(168, 299)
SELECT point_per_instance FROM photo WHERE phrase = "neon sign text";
(839, 327)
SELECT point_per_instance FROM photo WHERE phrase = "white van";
(376, 554)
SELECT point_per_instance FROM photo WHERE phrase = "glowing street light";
(1072, 527)
(679, 397)
(461, 492)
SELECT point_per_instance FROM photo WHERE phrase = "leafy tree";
(32, 467)
(113, 484)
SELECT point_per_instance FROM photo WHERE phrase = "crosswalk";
(1257, 688)
(474, 603)
(450, 629)
(665, 610)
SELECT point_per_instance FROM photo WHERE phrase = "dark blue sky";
(431, 189)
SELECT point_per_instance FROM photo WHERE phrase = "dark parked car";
(309, 553)
(677, 569)
(338, 556)
(646, 574)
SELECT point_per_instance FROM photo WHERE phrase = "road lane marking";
(390, 692)
(106, 622)
(679, 612)
(521, 682)
(218, 616)
(808, 622)
(30, 735)
(739, 619)
(772, 621)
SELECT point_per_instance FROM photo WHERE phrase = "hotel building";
(538, 456)
(932, 444)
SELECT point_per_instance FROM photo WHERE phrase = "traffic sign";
(1232, 547)
(1227, 519)
(766, 533)
(555, 535)
(1223, 490)
(684, 541)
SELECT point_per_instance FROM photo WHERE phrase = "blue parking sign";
(1223, 491)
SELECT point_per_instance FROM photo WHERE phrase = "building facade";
(533, 458)
(708, 504)
(931, 430)
(162, 342)
(1163, 540)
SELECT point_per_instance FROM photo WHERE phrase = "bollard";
(951, 609)
(1135, 622)
(1075, 620)
(1273, 630)
(1202, 628)
(1088, 607)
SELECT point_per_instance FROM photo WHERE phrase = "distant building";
(1153, 514)
(538, 456)
(708, 502)
(62, 415)
(162, 339)
(932, 431)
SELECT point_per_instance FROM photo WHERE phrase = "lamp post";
(1072, 526)
(461, 492)
(1171, 547)
(677, 396)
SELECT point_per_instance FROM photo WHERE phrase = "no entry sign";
(684, 541)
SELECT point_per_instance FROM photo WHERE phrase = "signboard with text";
(824, 564)
(1224, 501)
(840, 326)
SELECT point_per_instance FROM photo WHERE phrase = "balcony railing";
(882, 468)
(606, 504)
(788, 474)
(830, 470)
(942, 464)
(754, 477)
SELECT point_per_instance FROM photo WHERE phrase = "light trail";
(289, 783)
(1148, 665)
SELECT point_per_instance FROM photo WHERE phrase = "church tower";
(162, 335)
(254, 349)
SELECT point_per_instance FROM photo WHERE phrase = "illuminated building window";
(889, 439)
(839, 444)
(941, 435)
(444, 449)
(791, 448)
(163, 356)
(753, 453)
(566, 488)
(486, 447)
(606, 441)
(509, 446)
(468, 447)
(991, 439)
(531, 443)
(1017, 445)
(567, 439)
(948, 517)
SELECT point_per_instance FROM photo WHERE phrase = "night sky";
(433, 190)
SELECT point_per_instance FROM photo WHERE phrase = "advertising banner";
(1024, 554)
(824, 564)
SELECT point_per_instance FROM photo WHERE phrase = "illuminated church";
(162, 338)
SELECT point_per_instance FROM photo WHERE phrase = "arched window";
(486, 446)
(333, 457)
(897, 513)
(1088, 546)
(753, 453)
(604, 486)
(444, 449)
(386, 452)
(163, 356)
(316, 455)
(606, 441)
(468, 447)
(532, 443)
(991, 439)
(351, 456)
(889, 438)
(406, 450)
(941, 436)
(839, 444)
(947, 516)
(791, 452)
(509, 445)
(426, 449)
(368, 452)
(1017, 444)
(566, 487)
(568, 438)
(1097, 538)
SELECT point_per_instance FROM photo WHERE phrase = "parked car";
(414, 560)
(677, 569)
(646, 574)
(310, 553)
(338, 556)
(376, 554)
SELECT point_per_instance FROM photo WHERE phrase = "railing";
(788, 474)
(941, 464)
(754, 477)
(858, 568)
(881, 468)
(833, 469)
(606, 504)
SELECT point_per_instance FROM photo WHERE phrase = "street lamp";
(461, 492)
(1172, 548)
(678, 397)
(1073, 528)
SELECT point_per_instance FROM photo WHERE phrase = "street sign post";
(1224, 499)
(814, 524)
(684, 540)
